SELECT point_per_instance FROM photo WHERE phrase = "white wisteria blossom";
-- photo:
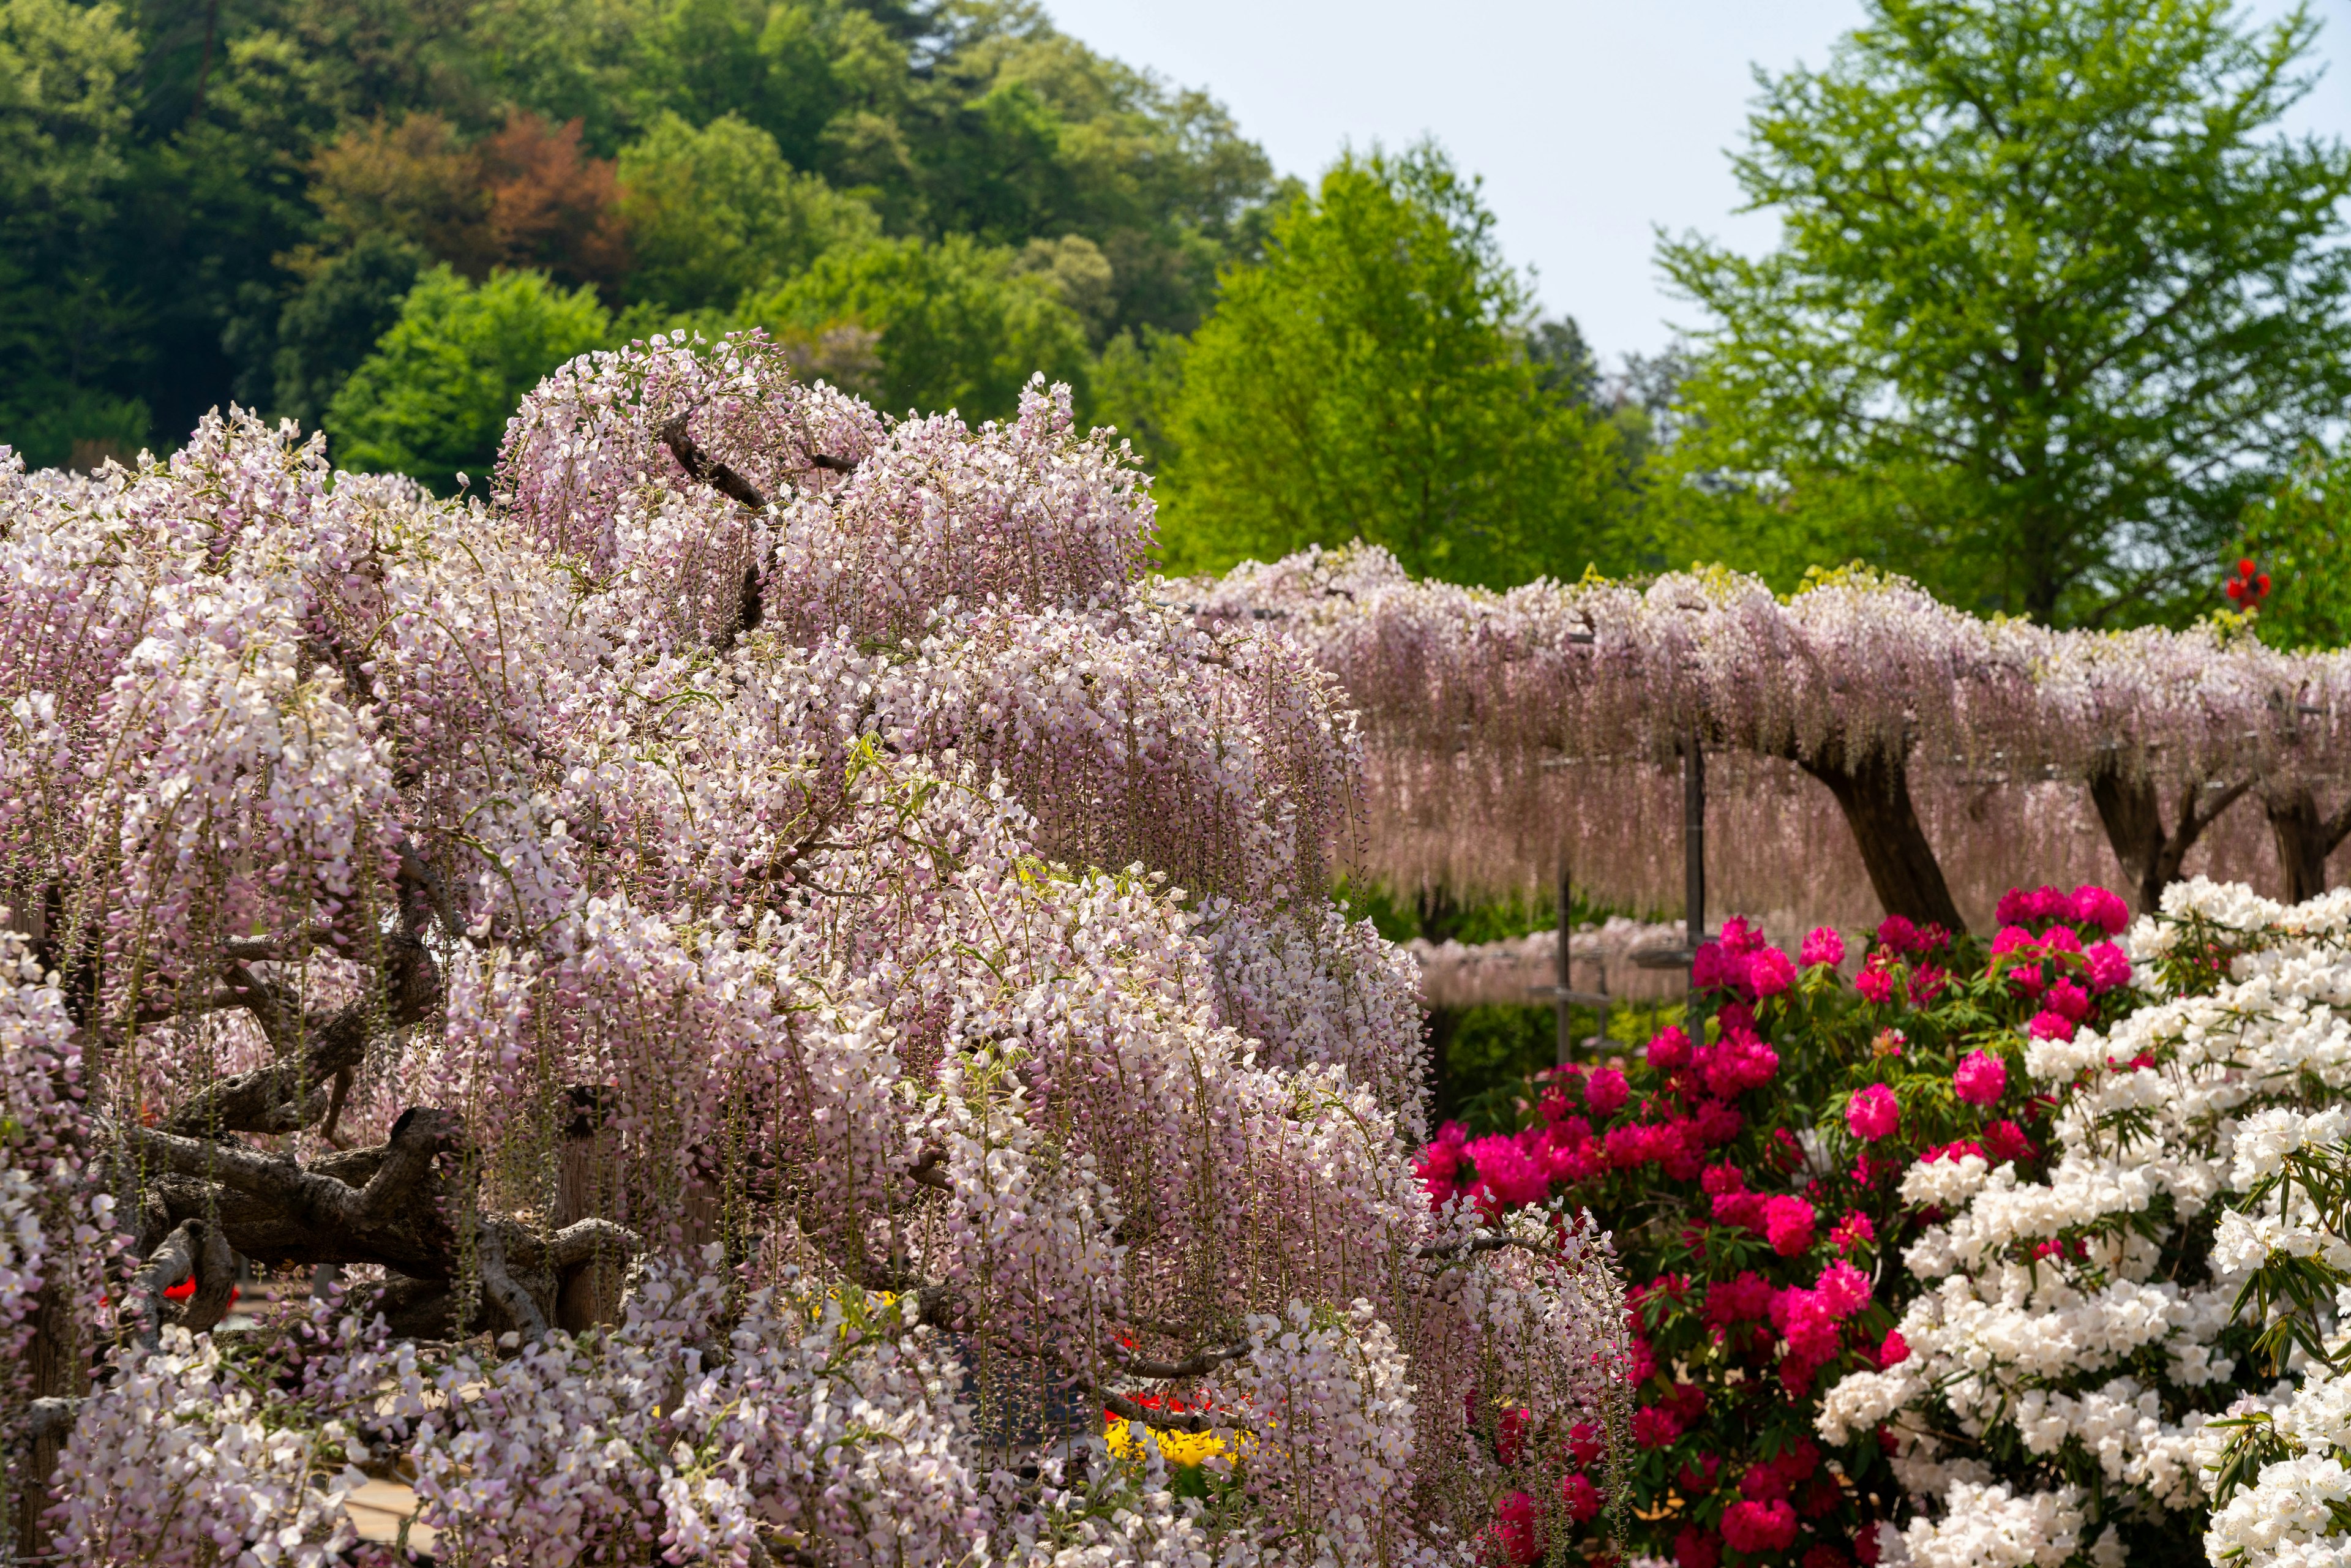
(791, 979)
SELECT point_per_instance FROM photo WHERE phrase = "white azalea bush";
(2076, 1372)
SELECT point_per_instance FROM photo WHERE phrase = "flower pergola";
(784, 985)
(1507, 732)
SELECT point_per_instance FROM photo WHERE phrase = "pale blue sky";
(1589, 121)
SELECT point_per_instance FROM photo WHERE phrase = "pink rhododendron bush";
(767, 983)
(1762, 1184)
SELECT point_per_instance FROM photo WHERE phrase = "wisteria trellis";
(779, 856)
(1962, 755)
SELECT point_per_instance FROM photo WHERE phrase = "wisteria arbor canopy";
(1507, 733)
(785, 980)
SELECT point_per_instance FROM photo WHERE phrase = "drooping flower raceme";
(760, 826)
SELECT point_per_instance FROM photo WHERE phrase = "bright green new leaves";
(955, 324)
(434, 399)
(1371, 379)
(2301, 536)
(2053, 301)
(715, 213)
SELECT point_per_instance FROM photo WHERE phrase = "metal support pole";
(1562, 967)
(1694, 868)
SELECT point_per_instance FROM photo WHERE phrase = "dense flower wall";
(789, 984)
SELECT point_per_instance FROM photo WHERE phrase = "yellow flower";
(1183, 1449)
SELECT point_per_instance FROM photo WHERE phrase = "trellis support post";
(1694, 871)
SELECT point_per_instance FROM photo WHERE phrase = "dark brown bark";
(2131, 809)
(700, 465)
(1872, 789)
(56, 1369)
(2304, 838)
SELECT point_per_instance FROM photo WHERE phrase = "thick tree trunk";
(53, 1361)
(590, 1295)
(1874, 792)
(2304, 838)
(2131, 809)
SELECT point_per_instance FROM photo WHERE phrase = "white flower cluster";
(2084, 1326)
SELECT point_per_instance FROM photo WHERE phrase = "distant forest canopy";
(207, 200)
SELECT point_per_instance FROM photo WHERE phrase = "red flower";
(1655, 1426)
(1759, 1526)
(1580, 1497)
(1696, 1548)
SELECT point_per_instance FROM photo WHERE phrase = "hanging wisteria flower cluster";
(2087, 1368)
(797, 992)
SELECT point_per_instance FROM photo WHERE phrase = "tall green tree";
(1373, 378)
(433, 399)
(956, 325)
(2300, 538)
(65, 329)
(2055, 299)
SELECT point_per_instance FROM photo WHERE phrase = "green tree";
(1373, 377)
(334, 323)
(65, 125)
(433, 398)
(2053, 301)
(715, 213)
(960, 325)
(2300, 535)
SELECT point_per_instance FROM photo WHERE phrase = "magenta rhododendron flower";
(2059, 940)
(1982, 1078)
(1507, 1173)
(1736, 1064)
(1517, 1531)
(1895, 1351)
(1605, 1091)
(1873, 1113)
(1714, 967)
(2046, 1024)
(1586, 1443)
(1580, 1497)
(2101, 907)
(1769, 972)
(1822, 944)
(1896, 933)
(2006, 1141)
(2068, 998)
(1669, 1050)
(1746, 1299)
(1843, 1288)
(1749, 1526)
(2107, 967)
(1696, 1548)
(1654, 1426)
(1853, 1230)
(1788, 1225)
(1874, 983)
(1718, 1122)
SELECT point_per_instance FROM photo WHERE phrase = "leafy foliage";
(2055, 299)
(1372, 379)
(433, 398)
(176, 182)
